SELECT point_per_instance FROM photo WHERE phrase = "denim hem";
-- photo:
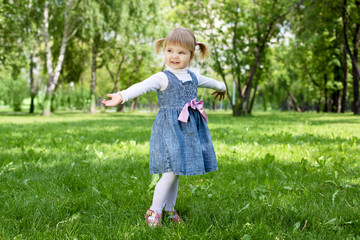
(185, 174)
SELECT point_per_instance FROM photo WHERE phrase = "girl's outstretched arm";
(115, 100)
(217, 94)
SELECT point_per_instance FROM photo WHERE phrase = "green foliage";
(281, 175)
(13, 38)
(72, 99)
(13, 91)
(125, 30)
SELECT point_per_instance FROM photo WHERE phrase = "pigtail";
(204, 50)
(158, 44)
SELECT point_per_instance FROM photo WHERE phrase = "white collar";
(177, 71)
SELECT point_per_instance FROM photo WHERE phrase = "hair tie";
(196, 43)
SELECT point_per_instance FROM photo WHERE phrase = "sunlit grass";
(281, 176)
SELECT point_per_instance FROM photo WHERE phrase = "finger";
(214, 93)
(109, 95)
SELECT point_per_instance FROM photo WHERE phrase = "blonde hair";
(184, 38)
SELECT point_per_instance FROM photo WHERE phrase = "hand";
(217, 94)
(115, 100)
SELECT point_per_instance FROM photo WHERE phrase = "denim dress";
(184, 148)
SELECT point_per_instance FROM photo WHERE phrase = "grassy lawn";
(281, 176)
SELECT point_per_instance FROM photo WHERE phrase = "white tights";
(165, 193)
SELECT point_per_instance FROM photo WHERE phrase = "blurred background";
(289, 55)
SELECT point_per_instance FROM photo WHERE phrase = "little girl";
(180, 142)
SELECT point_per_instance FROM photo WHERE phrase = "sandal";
(152, 219)
(173, 216)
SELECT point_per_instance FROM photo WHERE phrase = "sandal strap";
(152, 218)
(173, 216)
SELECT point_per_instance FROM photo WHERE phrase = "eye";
(181, 53)
(169, 50)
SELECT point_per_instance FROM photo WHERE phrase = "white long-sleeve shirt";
(159, 81)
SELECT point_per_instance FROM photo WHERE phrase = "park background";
(286, 137)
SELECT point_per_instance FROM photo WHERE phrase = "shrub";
(13, 91)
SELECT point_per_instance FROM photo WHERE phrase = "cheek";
(186, 58)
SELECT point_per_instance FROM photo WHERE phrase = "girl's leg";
(162, 189)
(172, 195)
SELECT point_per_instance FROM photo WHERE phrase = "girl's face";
(177, 57)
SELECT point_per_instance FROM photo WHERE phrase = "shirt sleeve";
(207, 82)
(153, 83)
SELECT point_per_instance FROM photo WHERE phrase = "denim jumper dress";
(184, 148)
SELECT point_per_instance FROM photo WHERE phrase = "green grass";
(281, 176)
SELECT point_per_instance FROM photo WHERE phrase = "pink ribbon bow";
(184, 115)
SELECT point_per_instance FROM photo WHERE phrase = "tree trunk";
(237, 107)
(353, 55)
(327, 101)
(120, 108)
(355, 40)
(294, 101)
(356, 103)
(336, 97)
(252, 99)
(32, 84)
(93, 73)
(134, 104)
(344, 67)
(355, 68)
(251, 78)
(54, 75)
(214, 106)
(355, 60)
(50, 85)
(335, 101)
(116, 88)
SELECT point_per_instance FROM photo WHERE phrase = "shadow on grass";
(67, 196)
(290, 118)
(85, 131)
(258, 137)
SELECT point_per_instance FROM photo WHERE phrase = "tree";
(69, 29)
(128, 54)
(352, 12)
(239, 33)
(20, 35)
(318, 29)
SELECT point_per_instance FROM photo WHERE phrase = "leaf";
(296, 227)
(333, 196)
(71, 219)
(246, 237)
(154, 180)
(193, 189)
(332, 221)
(247, 206)
(95, 190)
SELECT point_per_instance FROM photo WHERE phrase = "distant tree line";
(285, 54)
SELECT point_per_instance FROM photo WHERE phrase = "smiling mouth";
(174, 62)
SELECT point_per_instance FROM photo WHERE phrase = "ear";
(191, 56)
